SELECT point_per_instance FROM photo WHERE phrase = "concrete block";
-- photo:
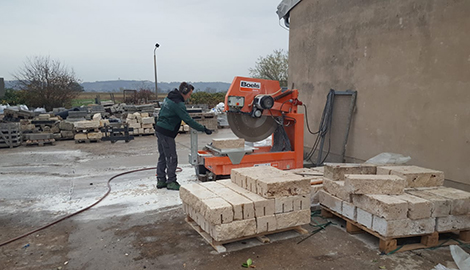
(337, 188)
(460, 200)
(314, 191)
(403, 227)
(374, 184)
(440, 206)
(349, 210)
(451, 222)
(414, 175)
(384, 206)
(228, 143)
(292, 219)
(266, 224)
(330, 201)
(336, 171)
(243, 208)
(233, 230)
(418, 208)
(364, 218)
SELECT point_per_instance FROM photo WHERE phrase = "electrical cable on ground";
(178, 169)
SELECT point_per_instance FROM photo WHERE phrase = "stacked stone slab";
(395, 201)
(87, 130)
(141, 123)
(227, 210)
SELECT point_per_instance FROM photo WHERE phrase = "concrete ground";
(140, 227)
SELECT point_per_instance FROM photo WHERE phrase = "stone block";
(330, 201)
(290, 185)
(94, 135)
(440, 206)
(418, 208)
(67, 134)
(148, 120)
(86, 124)
(414, 175)
(314, 191)
(364, 218)
(192, 194)
(403, 227)
(337, 188)
(80, 136)
(96, 117)
(384, 206)
(266, 224)
(228, 143)
(451, 222)
(104, 122)
(349, 210)
(292, 219)
(233, 230)
(291, 203)
(262, 206)
(243, 208)
(239, 175)
(147, 126)
(374, 184)
(216, 210)
(336, 171)
(460, 200)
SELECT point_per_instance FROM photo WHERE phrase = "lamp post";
(155, 68)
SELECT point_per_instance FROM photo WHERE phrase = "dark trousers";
(168, 159)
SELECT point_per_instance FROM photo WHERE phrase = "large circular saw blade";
(251, 129)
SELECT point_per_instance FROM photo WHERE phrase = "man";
(172, 111)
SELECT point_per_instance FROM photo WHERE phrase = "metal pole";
(155, 68)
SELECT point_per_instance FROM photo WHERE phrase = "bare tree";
(272, 67)
(47, 83)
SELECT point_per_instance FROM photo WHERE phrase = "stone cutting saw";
(256, 109)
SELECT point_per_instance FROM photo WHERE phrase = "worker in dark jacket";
(171, 113)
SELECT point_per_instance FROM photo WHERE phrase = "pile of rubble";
(395, 201)
(256, 200)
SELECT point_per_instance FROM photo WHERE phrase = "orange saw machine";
(256, 109)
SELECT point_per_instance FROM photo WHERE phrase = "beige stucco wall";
(409, 62)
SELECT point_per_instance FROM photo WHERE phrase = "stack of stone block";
(88, 130)
(141, 123)
(395, 201)
(256, 200)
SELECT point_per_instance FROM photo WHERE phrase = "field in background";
(86, 98)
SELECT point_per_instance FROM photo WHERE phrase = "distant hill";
(119, 85)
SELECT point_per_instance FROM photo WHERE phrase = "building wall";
(409, 61)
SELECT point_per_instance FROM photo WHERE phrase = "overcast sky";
(205, 40)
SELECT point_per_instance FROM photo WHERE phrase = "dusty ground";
(140, 227)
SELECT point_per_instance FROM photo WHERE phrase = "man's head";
(186, 90)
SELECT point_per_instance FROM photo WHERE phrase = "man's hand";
(207, 131)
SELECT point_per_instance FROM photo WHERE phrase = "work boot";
(173, 186)
(161, 184)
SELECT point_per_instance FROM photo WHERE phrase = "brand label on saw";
(252, 85)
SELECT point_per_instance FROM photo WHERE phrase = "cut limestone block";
(291, 203)
(262, 206)
(96, 117)
(418, 208)
(349, 210)
(336, 171)
(147, 126)
(233, 230)
(337, 188)
(80, 136)
(94, 135)
(228, 143)
(272, 187)
(314, 189)
(266, 224)
(451, 222)
(86, 124)
(148, 120)
(216, 210)
(460, 200)
(403, 227)
(330, 201)
(243, 207)
(363, 217)
(384, 206)
(374, 184)
(292, 219)
(192, 194)
(239, 175)
(414, 175)
(440, 206)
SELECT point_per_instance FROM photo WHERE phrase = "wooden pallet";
(219, 245)
(10, 135)
(403, 243)
(87, 140)
(40, 142)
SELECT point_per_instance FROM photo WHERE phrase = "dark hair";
(185, 88)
